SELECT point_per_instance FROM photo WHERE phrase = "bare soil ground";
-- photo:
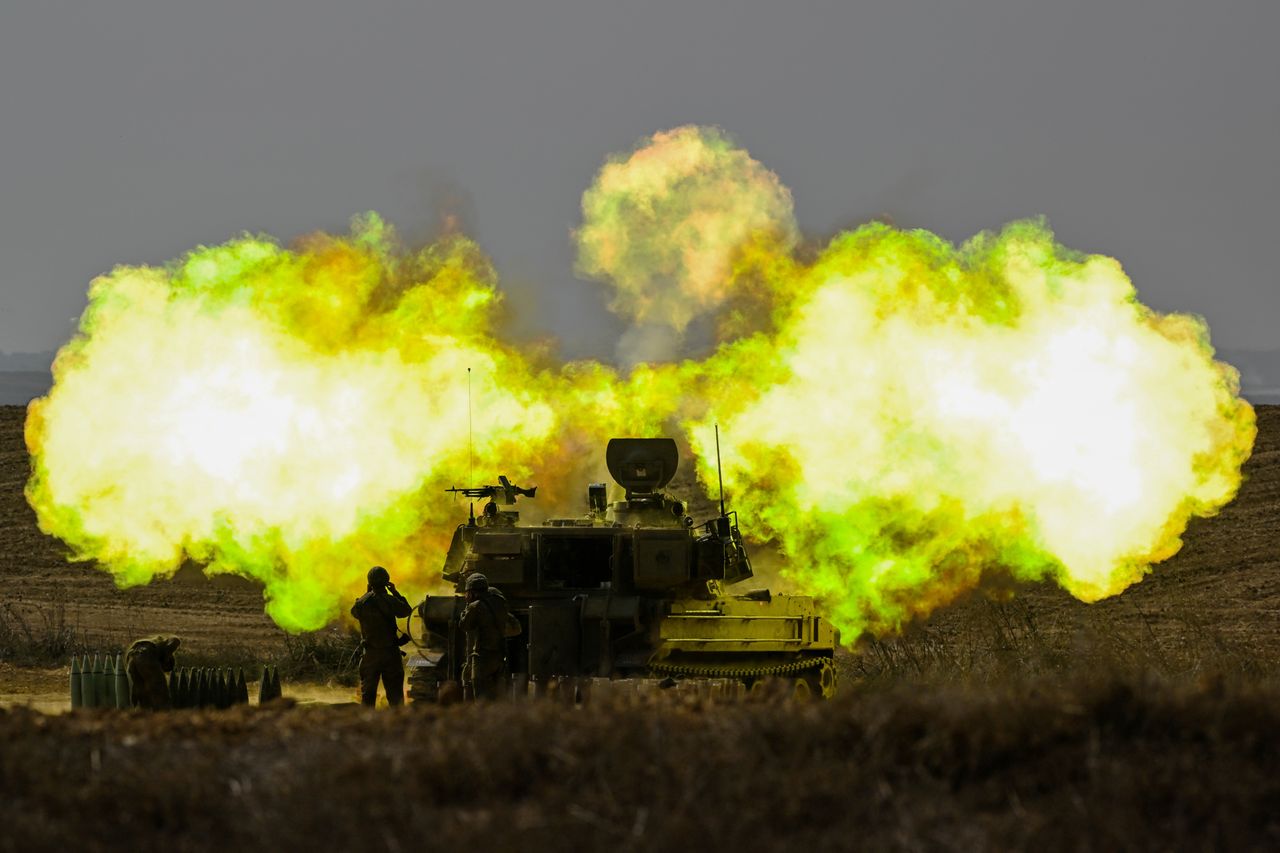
(41, 588)
(1147, 721)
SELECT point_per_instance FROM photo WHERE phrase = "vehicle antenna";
(471, 455)
(719, 472)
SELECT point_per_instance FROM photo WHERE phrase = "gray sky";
(132, 131)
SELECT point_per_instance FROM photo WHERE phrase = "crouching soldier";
(377, 611)
(487, 623)
(146, 663)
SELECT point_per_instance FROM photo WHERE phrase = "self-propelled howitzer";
(632, 588)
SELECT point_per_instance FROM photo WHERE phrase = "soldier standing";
(487, 622)
(146, 662)
(377, 611)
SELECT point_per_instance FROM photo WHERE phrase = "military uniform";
(486, 622)
(377, 611)
(146, 663)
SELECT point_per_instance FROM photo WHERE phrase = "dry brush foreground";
(1102, 764)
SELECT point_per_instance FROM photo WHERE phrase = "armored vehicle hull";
(629, 589)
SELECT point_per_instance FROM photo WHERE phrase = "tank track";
(735, 670)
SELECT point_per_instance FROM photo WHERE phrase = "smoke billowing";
(662, 225)
(905, 415)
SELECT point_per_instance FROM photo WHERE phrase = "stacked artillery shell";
(102, 682)
(99, 683)
(107, 698)
(86, 683)
(88, 686)
(77, 697)
(211, 687)
(108, 682)
(270, 687)
(124, 696)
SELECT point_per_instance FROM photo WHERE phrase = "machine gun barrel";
(475, 492)
(505, 492)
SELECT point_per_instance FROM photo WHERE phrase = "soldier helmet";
(379, 576)
(477, 582)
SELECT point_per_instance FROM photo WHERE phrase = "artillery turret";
(631, 588)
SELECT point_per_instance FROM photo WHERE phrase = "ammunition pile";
(103, 683)
(208, 687)
(100, 683)
(269, 687)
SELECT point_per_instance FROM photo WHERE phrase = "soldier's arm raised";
(399, 604)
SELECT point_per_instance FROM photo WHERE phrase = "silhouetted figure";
(486, 622)
(146, 663)
(377, 611)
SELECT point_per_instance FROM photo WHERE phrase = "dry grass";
(40, 636)
(331, 655)
(1021, 638)
(1092, 763)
